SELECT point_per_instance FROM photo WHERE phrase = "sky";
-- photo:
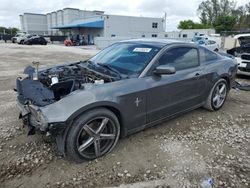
(176, 10)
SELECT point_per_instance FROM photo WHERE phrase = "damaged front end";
(39, 89)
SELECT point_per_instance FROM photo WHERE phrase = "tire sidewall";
(71, 146)
(213, 92)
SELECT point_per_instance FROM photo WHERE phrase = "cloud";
(176, 10)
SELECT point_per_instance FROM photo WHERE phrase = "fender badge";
(137, 101)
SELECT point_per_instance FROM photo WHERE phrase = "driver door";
(170, 94)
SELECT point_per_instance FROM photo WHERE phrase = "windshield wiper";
(110, 68)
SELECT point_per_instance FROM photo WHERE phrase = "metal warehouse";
(91, 24)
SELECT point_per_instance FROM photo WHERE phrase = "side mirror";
(164, 69)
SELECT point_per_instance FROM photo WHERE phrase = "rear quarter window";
(207, 55)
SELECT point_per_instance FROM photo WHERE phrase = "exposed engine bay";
(47, 86)
(242, 45)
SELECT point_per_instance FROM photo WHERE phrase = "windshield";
(195, 39)
(126, 58)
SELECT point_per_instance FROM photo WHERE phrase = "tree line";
(9, 30)
(222, 15)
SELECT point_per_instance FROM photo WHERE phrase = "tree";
(210, 10)
(10, 30)
(189, 24)
(224, 23)
(223, 15)
(242, 14)
(248, 7)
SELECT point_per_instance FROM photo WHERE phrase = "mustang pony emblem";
(137, 101)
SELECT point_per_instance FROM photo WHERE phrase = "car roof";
(242, 35)
(154, 42)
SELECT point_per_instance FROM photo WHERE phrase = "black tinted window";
(180, 58)
(207, 55)
(211, 42)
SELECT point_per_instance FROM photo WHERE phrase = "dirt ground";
(182, 152)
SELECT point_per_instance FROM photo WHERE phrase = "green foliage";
(189, 24)
(210, 10)
(10, 30)
(223, 15)
(224, 23)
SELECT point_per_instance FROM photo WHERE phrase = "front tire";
(217, 96)
(92, 135)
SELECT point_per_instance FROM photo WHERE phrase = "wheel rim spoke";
(217, 90)
(222, 89)
(215, 99)
(96, 137)
(223, 95)
(218, 101)
(89, 130)
(220, 95)
(102, 125)
(97, 145)
(107, 136)
(86, 144)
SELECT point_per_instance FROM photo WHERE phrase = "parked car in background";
(128, 86)
(243, 61)
(209, 44)
(244, 48)
(197, 38)
(35, 40)
(21, 40)
(211, 41)
(241, 51)
(17, 36)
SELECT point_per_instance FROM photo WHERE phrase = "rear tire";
(217, 95)
(92, 135)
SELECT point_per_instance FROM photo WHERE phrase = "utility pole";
(165, 20)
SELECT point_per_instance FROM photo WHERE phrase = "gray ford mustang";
(125, 88)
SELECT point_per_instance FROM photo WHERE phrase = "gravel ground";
(179, 153)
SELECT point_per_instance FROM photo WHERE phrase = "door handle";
(197, 75)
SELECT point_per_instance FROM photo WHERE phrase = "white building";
(190, 33)
(34, 23)
(91, 24)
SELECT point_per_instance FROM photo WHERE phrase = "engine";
(67, 78)
(47, 86)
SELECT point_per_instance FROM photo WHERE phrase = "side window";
(211, 42)
(207, 55)
(180, 58)
(154, 25)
